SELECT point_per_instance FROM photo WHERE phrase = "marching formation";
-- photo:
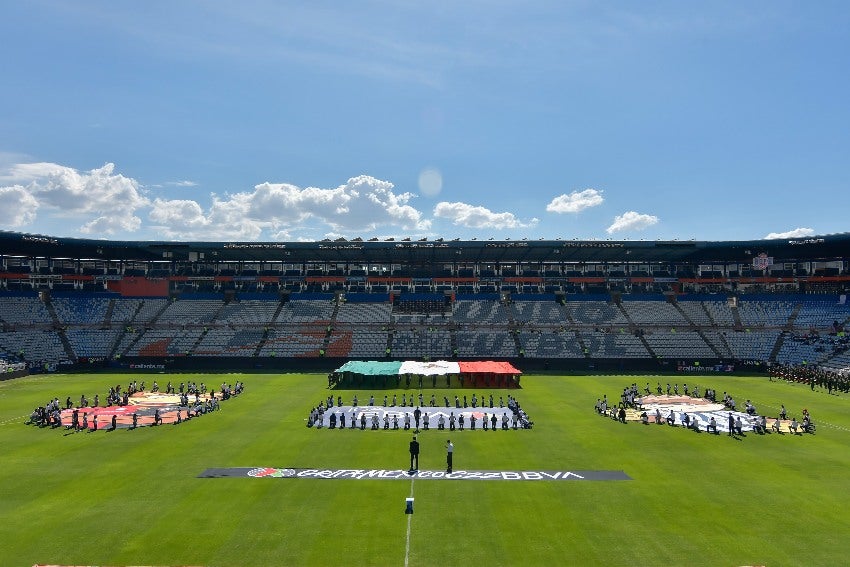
(412, 413)
(815, 377)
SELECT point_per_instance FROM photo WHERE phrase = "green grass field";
(133, 497)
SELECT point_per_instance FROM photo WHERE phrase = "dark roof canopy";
(828, 247)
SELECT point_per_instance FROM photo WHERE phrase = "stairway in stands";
(517, 343)
(199, 339)
(107, 318)
(139, 334)
(787, 330)
(780, 340)
(584, 348)
(569, 316)
(792, 318)
(736, 315)
(514, 328)
(696, 328)
(326, 342)
(453, 339)
(723, 340)
(262, 342)
(66, 344)
(114, 350)
(265, 337)
(390, 340)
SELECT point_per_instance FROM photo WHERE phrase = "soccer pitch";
(133, 497)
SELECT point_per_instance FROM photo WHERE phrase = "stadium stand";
(81, 309)
(91, 343)
(544, 302)
(553, 344)
(486, 343)
(39, 347)
(24, 309)
(615, 344)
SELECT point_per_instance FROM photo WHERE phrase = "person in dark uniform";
(450, 449)
(493, 421)
(417, 416)
(414, 454)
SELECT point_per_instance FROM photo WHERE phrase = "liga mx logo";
(271, 472)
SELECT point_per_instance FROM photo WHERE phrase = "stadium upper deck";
(820, 263)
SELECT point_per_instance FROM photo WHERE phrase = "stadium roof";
(425, 252)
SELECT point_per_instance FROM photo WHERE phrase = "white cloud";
(363, 203)
(631, 220)
(26, 172)
(796, 233)
(181, 183)
(106, 201)
(360, 205)
(185, 219)
(575, 202)
(17, 206)
(471, 216)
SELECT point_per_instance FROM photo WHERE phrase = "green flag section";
(371, 367)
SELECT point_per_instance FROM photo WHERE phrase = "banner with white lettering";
(399, 474)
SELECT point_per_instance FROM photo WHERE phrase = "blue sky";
(305, 120)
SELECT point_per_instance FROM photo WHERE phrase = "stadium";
(398, 319)
(559, 305)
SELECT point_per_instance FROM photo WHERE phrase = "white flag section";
(436, 367)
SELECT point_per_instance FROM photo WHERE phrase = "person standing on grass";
(450, 449)
(414, 454)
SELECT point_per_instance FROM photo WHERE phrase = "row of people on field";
(459, 402)
(813, 375)
(493, 422)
